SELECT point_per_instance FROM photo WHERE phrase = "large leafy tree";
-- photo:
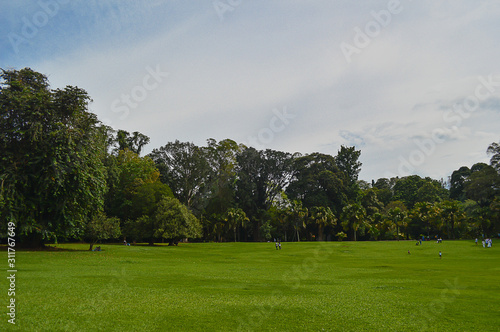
(347, 160)
(146, 198)
(483, 188)
(458, 181)
(185, 168)
(431, 191)
(219, 194)
(173, 221)
(51, 171)
(369, 200)
(127, 172)
(483, 184)
(261, 177)
(318, 181)
(101, 227)
(384, 189)
(413, 189)
(133, 142)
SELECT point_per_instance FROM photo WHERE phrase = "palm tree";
(452, 215)
(322, 216)
(354, 217)
(397, 216)
(494, 150)
(297, 214)
(236, 218)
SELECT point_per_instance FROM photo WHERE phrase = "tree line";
(66, 176)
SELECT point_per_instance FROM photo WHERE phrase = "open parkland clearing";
(306, 286)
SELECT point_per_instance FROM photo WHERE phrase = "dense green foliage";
(306, 286)
(51, 170)
(60, 169)
(101, 227)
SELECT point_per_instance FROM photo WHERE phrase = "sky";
(414, 85)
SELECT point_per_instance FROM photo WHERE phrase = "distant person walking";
(279, 244)
(476, 241)
(484, 244)
(440, 255)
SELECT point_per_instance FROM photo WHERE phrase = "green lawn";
(346, 286)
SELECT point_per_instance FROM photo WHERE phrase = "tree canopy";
(51, 161)
(64, 175)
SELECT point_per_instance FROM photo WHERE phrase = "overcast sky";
(415, 85)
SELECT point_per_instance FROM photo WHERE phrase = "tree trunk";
(453, 230)
(91, 246)
(320, 233)
(256, 232)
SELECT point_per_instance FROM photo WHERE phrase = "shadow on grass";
(156, 245)
(55, 248)
(49, 248)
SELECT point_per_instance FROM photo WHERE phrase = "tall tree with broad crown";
(51, 165)
(185, 168)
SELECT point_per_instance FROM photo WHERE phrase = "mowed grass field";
(306, 286)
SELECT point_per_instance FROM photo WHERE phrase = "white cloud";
(226, 77)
